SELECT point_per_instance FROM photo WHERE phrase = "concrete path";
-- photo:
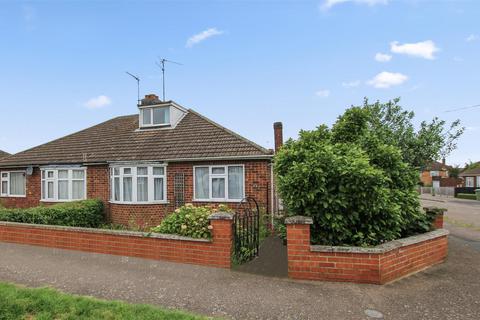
(447, 291)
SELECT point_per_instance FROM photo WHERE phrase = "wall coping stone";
(385, 247)
(221, 216)
(104, 231)
(437, 210)
(298, 220)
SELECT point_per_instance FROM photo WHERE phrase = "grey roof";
(3, 154)
(195, 137)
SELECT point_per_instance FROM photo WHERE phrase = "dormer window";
(155, 116)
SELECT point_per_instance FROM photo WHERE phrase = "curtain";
(201, 183)
(218, 188)
(116, 188)
(158, 189)
(17, 183)
(127, 189)
(235, 182)
(63, 189)
(78, 189)
(142, 188)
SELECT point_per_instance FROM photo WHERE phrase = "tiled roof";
(437, 166)
(3, 154)
(119, 139)
(475, 171)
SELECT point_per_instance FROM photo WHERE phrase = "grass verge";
(45, 303)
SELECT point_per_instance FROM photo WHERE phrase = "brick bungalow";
(471, 177)
(143, 166)
(434, 172)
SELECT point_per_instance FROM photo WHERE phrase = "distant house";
(143, 166)
(471, 177)
(3, 154)
(434, 172)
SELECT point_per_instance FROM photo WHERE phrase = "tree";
(358, 179)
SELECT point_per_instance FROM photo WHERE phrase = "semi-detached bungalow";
(143, 166)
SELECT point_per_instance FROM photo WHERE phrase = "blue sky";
(246, 64)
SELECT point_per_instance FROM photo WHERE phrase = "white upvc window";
(434, 173)
(219, 183)
(141, 184)
(478, 181)
(63, 184)
(13, 183)
(154, 116)
(470, 182)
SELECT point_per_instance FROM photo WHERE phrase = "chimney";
(150, 99)
(443, 161)
(278, 135)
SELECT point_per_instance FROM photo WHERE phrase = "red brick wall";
(376, 268)
(257, 185)
(215, 253)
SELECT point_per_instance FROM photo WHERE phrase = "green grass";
(49, 304)
(467, 196)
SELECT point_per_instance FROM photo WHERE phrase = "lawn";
(45, 303)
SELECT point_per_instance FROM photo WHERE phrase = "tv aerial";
(138, 85)
(161, 64)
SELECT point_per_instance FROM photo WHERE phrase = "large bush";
(189, 221)
(86, 213)
(358, 179)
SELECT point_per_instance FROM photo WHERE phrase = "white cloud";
(423, 49)
(472, 37)
(351, 84)
(327, 4)
(98, 102)
(322, 93)
(204, 35)
(387, 79)
(383, 57)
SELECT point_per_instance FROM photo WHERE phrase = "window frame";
(134, 175)
(7, 194)
(45, 180)
(470, 179)
(150, 110)
(211, 176)
(478, 181)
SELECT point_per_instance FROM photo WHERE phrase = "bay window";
(12, 184)
(63, 184)
(138, 184)
(219, 183)
(470, 182)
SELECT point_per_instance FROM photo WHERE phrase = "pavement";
(447, 291)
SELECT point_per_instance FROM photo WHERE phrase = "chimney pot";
(278, 135)
(150, 99)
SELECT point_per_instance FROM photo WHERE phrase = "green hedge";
(86, 213)
(468, 196)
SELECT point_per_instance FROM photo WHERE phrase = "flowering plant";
(190, 221)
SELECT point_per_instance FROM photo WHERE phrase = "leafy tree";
(454, 172)
(358, 179)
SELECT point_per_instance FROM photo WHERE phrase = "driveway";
(447, 291)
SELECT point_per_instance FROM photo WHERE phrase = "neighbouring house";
(471, 176)
(434, 172)
(143, 166)
(3, 154)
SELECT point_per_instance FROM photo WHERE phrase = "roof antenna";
(161, 64)
(138, 86)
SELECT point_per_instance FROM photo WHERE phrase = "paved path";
(447, 291)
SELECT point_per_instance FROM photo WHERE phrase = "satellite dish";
(29, 171)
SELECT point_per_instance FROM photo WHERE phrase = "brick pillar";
(222, 237)
(438, 213)
(298, 244)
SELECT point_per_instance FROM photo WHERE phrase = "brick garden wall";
(215, 252)
(377, 265)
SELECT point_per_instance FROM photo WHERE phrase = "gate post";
(222, 236)
(298, 244)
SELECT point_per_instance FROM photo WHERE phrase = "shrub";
(468, 196)
(189, 221)
(356, 185)
(86, 213)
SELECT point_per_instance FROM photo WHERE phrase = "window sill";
(12, 196)
(139, 203)
(218, 200)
